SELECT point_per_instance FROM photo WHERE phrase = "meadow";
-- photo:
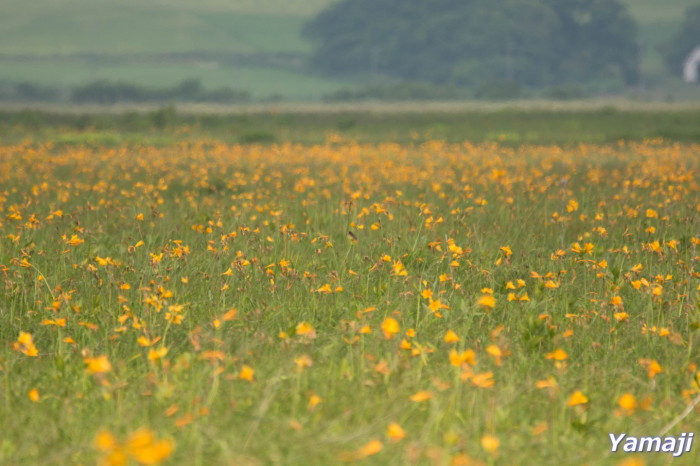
(347, 294)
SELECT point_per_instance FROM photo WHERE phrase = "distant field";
(47, 35)
(543, 123)
(260, 81)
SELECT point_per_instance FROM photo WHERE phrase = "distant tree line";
(535, 43)
(106, 92)
(687, 39)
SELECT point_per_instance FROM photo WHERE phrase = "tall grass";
(493, 304)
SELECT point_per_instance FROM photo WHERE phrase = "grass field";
(44, 39)
(565, 124)
(371, 290)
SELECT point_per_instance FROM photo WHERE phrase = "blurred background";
(108, 52)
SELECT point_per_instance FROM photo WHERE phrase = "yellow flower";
(390, 327)
(435, 305)
(246, 373)
(306, 330)
(371, 448)
(325, 289)
(496, 353)
(549, 382)
(314, 400)
(451, 337)
(632, 461)
(398, 269)
(302, 362)
(487, 301)
(74, 240)
(628, 403)
(25, 344)
(144, 449)
(585, 249)
(34, 395)
(457, 359)
(558, 355)
(482, 380)
(98, 365)
(423, 395)
(395, 432)
(157, 354)
(490, 443)
(652, 367)
(577, 398)
(141, 446)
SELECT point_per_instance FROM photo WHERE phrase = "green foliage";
(568, 124)
(685, 41)
(191, 90)
(566, 92)
(534, 42)
(29, 92)
(499, 89)
(404, 91)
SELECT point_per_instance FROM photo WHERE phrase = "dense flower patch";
(453, 304)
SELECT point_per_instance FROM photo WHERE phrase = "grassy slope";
(61, 27)
(64, 27)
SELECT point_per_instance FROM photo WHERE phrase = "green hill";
(245, 44)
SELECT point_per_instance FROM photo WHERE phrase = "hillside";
(248, 44)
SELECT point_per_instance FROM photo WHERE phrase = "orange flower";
(25, 344)
(34, 395)
(398, 269)
(74, 240)
(495, 352)
(306, 330)
(628, 403)
(558, 355)
(423, 395)
(451, 337)
(157, 354)
(395, 432)
(482, 380)
(141, 446)
(490, 443)
(652, 366)
(390, 327)
(371, 448)
(314, 400)
(98, 365)
(246, 373)
(467, 356)
(577, 398)
(487, 301)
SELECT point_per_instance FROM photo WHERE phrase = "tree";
(687, 39)
(471, 42)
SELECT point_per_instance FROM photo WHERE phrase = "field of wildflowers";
(418, 303)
